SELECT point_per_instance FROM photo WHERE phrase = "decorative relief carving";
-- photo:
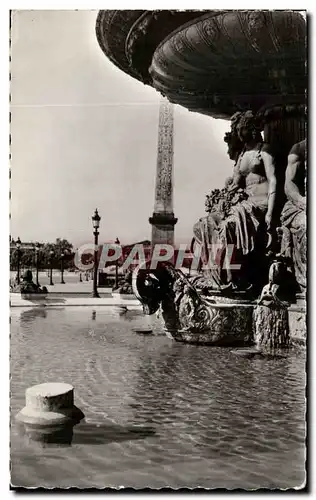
(209, 32)
(179, 43)
(256, 20)
(163, 193)
(112, 27)
(249, 27)
(189, 316)
(210, 29)
(273, 33)
(138, 30)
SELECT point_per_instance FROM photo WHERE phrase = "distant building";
(25, 245)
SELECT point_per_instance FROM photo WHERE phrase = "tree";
(59, 247)
(27, 255)
(26, 258)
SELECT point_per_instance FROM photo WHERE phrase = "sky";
(84, 136)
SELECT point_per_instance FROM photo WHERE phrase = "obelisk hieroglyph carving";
(163, 219)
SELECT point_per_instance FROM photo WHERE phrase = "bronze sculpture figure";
(293, 217)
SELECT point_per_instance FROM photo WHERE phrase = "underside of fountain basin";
(215, 62)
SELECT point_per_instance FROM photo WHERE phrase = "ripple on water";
(240, 421)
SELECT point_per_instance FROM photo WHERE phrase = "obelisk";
(163, 219)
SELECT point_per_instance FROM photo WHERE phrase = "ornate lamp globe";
(18, 243)
(96, 220)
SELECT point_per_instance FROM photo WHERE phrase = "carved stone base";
(237, 298)
(221, 324)
(301, 300)
(297, 324)
(211, 318)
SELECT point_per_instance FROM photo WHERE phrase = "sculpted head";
(248, 127)
(234, 122)
(231, 138)
(27, 276)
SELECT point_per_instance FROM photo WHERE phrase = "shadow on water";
(87, 433)
(84, 433)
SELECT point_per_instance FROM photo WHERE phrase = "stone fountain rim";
(228, 306)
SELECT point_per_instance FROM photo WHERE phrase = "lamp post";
(36, 249)
(51, 255)
(18, 249)
(117, 242)
(96, 223)
(62, 256)
(77, 253)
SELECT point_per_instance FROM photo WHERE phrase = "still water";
(158, 413)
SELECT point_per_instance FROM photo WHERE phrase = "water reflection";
(83, 433)
(59, 436)
(28, 316)
(130, 314)
(87, 433)
(205, 404)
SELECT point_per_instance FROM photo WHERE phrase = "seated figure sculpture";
(206, 230)
(293, 217)
(27, 285)
(241, 216)
(251, 220)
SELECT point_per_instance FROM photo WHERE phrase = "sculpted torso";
(251, 174)
(295, 187)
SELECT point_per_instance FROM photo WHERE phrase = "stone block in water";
(50, 404)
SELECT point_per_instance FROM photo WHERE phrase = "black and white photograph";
(158, 249)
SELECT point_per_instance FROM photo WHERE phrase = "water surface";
(158, 413)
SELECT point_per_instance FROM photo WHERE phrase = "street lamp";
(51, 255)
(36, 249)
(18, 249)
(117, 242)
(96, 223)
(62, 256)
